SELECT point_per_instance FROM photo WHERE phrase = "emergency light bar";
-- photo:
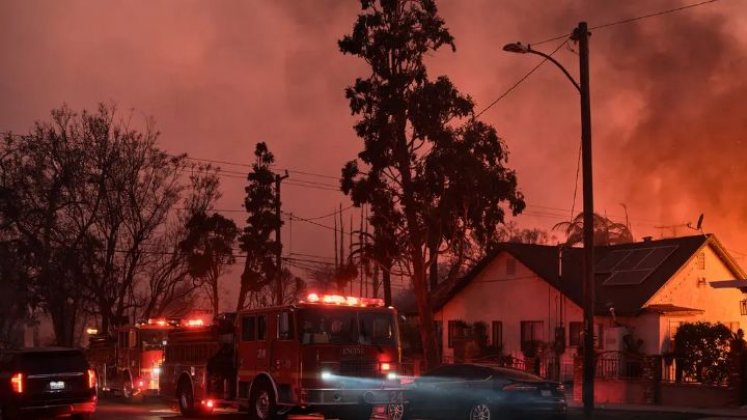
(343, 300)
(195, 323)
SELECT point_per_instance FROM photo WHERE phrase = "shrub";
(701, 350)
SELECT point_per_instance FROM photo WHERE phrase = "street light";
(519, 48)
(581, 35)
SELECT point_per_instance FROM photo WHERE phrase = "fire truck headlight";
(391, 376)
(326, 375)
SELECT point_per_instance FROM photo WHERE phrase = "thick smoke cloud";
(668, 94)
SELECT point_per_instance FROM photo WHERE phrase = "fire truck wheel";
(186, 400)
(129, 394)
(262, 404)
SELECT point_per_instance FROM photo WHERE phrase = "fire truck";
(327, 353)
(130, 363)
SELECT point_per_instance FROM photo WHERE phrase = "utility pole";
(279, 248)
(581, 35)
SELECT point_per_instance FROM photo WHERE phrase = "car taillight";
(91, 378)
(16, 383)
(517, 387)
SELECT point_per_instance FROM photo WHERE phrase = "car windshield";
(36, 363)
(347, 326)
(152, 339)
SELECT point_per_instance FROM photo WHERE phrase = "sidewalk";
(710, 412)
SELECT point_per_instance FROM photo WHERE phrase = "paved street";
(154, 410)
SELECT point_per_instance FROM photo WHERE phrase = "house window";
(510, 266)
(439, 329)
(497, 333)
(531, 331)
(743, 307)
(576, 334)
(457, 329)
(700, 262)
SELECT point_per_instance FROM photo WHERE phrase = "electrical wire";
(518, 82)
(633, 19)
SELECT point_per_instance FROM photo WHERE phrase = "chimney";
(647, 238)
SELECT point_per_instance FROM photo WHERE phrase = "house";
(528, 296)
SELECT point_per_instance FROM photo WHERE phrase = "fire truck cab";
(330, 354)
(130, 363)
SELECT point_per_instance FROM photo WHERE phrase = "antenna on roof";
(698, 225)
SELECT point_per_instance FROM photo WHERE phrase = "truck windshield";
(152, 339)
(346, 326)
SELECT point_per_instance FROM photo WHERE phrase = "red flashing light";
(16, 383)
(195, 323)
(344, 300)
(140, 384)
(313, 298)
(91, 378)
(386, 367)
(208, 403)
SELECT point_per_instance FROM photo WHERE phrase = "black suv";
(46, 382)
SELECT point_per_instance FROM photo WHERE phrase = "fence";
(618, 365)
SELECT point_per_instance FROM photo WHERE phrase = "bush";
(701, 350)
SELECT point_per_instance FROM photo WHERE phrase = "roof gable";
(626, 275)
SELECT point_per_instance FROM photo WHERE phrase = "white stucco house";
(644, 290)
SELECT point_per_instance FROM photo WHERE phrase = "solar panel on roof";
(627, 278)
(606, 264)
(631, 261)
(657, 257)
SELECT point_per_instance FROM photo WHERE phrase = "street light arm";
(519, 48)
(558, 65)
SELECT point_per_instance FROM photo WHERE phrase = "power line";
(518, 82)
(294, 217)
(331, 214)
(633, 19)
(246, 165)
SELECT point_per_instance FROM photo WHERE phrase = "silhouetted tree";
(294, 289)
(257, 240)
(90, 201)
(209, 245)
(606, 231)
(441, 181)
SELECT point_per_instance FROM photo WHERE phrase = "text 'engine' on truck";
(331, 354)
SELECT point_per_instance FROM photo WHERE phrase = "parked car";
(483, 392)
(46, 382)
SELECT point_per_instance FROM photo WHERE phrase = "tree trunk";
(425, 312)
(386, 280)
(216, 296)
(433, 269)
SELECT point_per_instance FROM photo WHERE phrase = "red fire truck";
(330, 354)
(130, 363)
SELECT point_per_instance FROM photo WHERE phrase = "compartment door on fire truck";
(285, 351)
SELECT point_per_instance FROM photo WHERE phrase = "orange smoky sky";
(669, 96)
